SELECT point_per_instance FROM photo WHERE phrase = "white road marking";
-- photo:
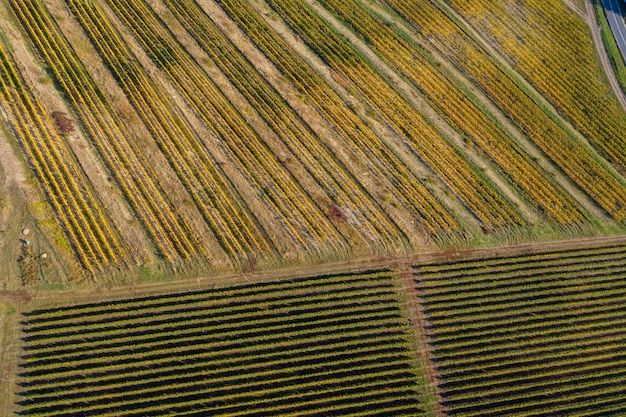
(618, 27)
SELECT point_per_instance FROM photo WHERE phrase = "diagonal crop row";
(81, 215)
(481, 199)
(338, 183)
(382, 160)
(150, 203)
(222, 208)
(558, 57)
(410, 61)
(299, 215)
(567, 153)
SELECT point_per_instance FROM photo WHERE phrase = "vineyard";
(529, 335)
(327, 345)
(550, 136)
(559, 63)
(224, 160)
(310, 208)
(398, 53)
(78, 210)
(427, 142)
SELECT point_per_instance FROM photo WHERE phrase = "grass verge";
(617, 62)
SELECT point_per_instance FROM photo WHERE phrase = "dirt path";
(9, 350)
(572, 5)
(425, 349)
(93, 293)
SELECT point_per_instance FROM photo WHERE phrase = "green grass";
(616, 59)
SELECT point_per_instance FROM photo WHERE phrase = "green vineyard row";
(336, 344)
(539, 334)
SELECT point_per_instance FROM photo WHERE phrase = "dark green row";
(541, 334)
(327, 345)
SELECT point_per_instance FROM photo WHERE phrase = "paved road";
(616, 21)
(604, 57)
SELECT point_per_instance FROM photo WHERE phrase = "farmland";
(242, 135)
(335, 344)
(533, 334)
(309, 207)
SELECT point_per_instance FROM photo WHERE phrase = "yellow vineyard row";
(299, 215)
(407, 59)
(473, 190)
(169, 232)
(568, 154)
(408, 188)
(557, 56)
(346, 192)
(89, 231)
(216, 199)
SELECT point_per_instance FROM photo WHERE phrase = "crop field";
(529, 335)
(310, 208)
(77, 208)
(560, 63)
(546, 133)
(241, 135)
(326, 345)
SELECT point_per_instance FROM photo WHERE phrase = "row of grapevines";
(168, 231)
(568, 154)
(558, 57)
(299, 215)
(126, 307)
(116, 322)
(326, 345)
(345, 191)
(536, 258)
(410, 61)
(379, 158)
(472, 189)
(529, 337)
(89, 231)
(233, 225)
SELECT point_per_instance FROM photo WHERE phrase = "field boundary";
(24, 300)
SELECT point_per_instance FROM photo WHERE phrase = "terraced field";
(326, 345)
(529, 335)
